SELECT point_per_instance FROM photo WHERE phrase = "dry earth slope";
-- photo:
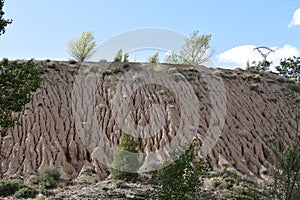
(47, 134)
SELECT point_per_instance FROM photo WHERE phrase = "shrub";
(215, 182)
(118, 56)
(158, 68)
(26, 192)
(229, 180)
(123, 162)
(261, 66)
(154, 58)
(9, 187)
(125, 57)
(239, 189)
(33, 179)
(112, 70)
(49, 177)
(226, 184)
(182, 178)
(249, 76)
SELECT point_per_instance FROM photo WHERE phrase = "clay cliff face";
(50, 135)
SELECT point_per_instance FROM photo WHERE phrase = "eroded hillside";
(50, 135)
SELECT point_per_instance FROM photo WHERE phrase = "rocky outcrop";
(50, 133)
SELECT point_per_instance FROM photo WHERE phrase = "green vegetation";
(261, 66)
(113, 70)
(120, 57)
(158, 68)
(16, 188)
(172, 58)
(290, 67)
(49, 177)
(235, 185)
(195, 50)
(251, 75)
(285, 173)
(182, 178)
(3, 22)
(9, 187)
(26, 192)
(125, 57)
(125, 166)
(17, 82)
(82, 47)
(154, 58)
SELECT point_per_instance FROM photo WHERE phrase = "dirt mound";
(49, 133)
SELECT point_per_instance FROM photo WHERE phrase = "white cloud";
(286, 51)
(296, 19)
(239, 55)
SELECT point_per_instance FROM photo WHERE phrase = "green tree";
(17, 82)
(182, 178)
(82, 47)
(286, 171)
(196, 49)
(154, 58)
(289, 67)
(124, 161)
(3, 22)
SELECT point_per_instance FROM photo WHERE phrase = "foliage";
(173, 58)
(49, 177)
(196, 49)
(182, 178)
(82, 47)
(16, 188)
(3, 22)
(158, 68)
(125, 57)
(238, 186)
(26, 192)
(123, 162)
(154, 58)
(9, 187)
(113, 70)
(286, 171)
(118, 56)
(17, 82)
(290, 67)
(261, 66)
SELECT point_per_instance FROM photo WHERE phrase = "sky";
(42, 29)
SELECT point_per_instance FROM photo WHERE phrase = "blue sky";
(42, 29)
